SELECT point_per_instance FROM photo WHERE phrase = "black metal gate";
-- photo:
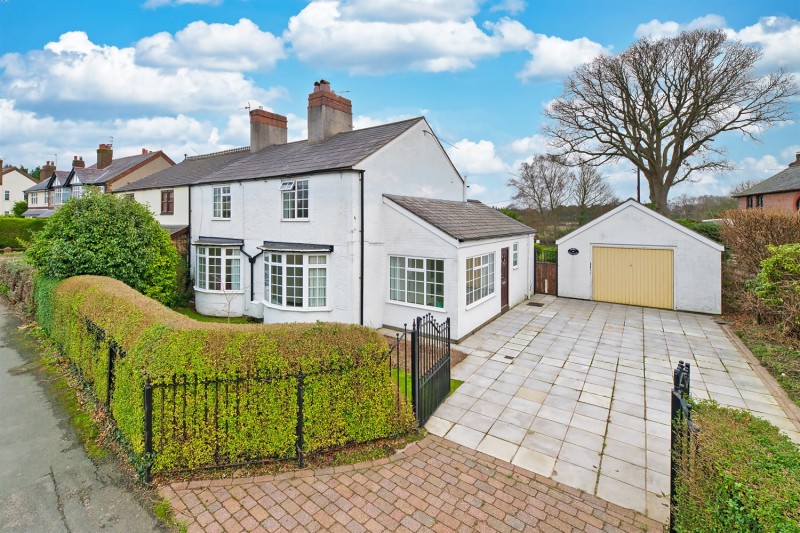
(430, 365)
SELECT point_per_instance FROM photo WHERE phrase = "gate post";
(415, 334)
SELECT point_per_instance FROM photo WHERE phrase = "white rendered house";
(13, 184)
(363, 226)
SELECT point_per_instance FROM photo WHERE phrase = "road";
(47, 482)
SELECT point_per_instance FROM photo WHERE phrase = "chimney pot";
(78, 162)
(105, 155)
(328, 113)
(796, 162)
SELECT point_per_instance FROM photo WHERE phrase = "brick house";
(781, 191)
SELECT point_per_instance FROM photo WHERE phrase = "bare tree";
(589, 189)
(743, 186)
(544, 184)
(661, 104)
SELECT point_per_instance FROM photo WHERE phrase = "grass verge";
(193, 314)
(403, 382)
(779, 355)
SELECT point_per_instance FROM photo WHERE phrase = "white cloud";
(326, 34)
(476, 157)
(555, 58)
(37, 138)
(238, 47)
(778, 38)
(512, 6)
(73, 69)
(529, 146)
(657, 29)
(153, 4)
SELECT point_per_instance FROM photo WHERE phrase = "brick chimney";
(266, 129)
(796, 162)
(104, 155)
(47, 170)
(328, 113)
(78, 163)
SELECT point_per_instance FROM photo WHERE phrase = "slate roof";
(785, 180)
(189, 170)
(464, 221)
(342, 151)
(45, 183)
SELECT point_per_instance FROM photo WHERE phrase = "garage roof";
(631, 203)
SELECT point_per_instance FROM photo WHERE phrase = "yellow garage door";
(633, 276)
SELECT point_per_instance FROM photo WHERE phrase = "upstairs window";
(61, 195)
(77, 191)
(7, 195)
(33, 198)
(295, 199)
(47, 197)
(222, 202)
(168, 203)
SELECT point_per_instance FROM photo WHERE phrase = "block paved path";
(431, 485)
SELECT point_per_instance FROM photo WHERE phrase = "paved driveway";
(580, 392)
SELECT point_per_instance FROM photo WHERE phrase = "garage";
(635, 256)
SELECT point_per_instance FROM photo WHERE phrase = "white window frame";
(77, 191)
(219, 194)
(59, 194)
(309, 294)
(480, 274)
(33, 198)
(224, 274)
(405, 271)
(46, 197)
(295, 200)
(515, 255)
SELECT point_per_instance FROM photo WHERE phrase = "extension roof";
(783, 181)
(340, 152)
(463, 221)
(189, 170)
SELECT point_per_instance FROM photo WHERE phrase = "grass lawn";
(405, 382)
(191, 313)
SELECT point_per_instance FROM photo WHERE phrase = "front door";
(504, 280)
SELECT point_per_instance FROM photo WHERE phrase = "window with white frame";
(296, 280)
(222, 202)
(61, 195)
(77, 191)
(46, 197)
(480, 277)
(7, 195)
(515, 255)
(33, 198)
(219, 268)
(416, 280)
(295, 199)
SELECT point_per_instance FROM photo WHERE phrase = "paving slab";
(585, 396)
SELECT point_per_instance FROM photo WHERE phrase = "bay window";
(219, 268)
(296, 280)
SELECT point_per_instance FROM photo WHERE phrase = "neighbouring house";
(365, 226)
(13, 184)
(108, 174)
(633, 255)
(166, 192)
(781, 191)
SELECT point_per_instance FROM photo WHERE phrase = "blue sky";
(177, 74)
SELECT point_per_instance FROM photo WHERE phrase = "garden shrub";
(16, 283)
(709, 230)
(777, 287)
(738, 474)
(348, 393)
(108, 235)
(19, 232)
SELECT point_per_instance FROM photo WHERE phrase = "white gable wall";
(152, 198)
(697, 265)
(15, 183)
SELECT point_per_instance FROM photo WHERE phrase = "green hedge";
(710, 230)
(16, 282)
(349, 396)
(739, 474)
(18, 232)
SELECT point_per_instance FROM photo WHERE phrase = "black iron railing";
(682, 429)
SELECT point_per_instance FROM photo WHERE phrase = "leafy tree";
(661, 103)
(19, 208)
(107, 235)
(590, 189)
(507, 211)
